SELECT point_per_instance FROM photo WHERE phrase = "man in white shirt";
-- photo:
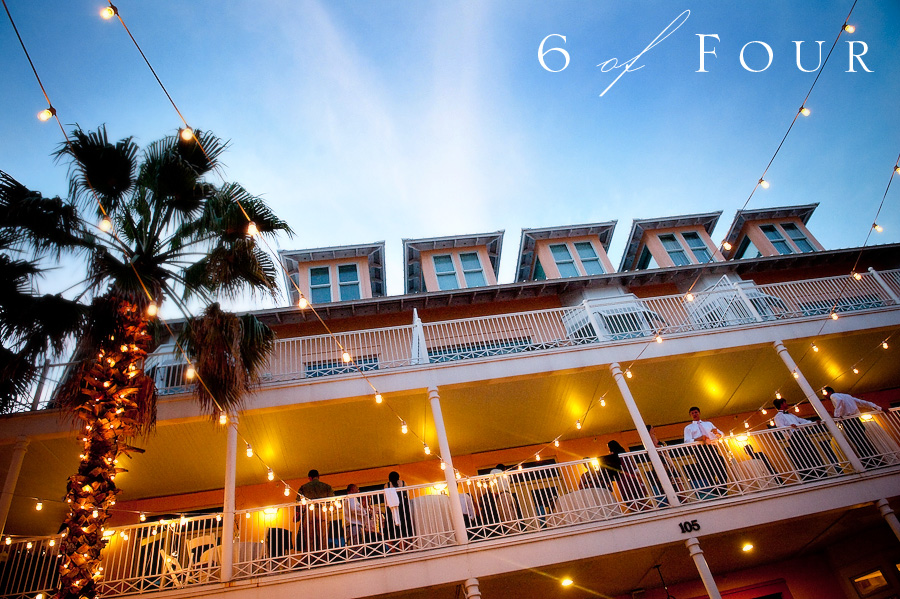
(801, 450)
(709, 472)
(847, 406)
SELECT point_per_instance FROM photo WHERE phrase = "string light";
(403, 428)
(804, 111)
(578, 424)
(270, 474)
(252, 229)
(443, 465)
(763, 412)
(689, 297)
(746, 425)
(884, 344)
(8, 541)
(223, 418)
(797, 409)
(849, 28)
(190, 373)
(187, 134)
(152, 309)
(378, 398)
(303, 303)
(764, 184)
(39, 506)
(856, 371)
(659, 339)
(143, 517)
(426, 449)
(628, 373)
(108, 12)
(287, 490)
(346, 357)
(602, 403)
(897, 169)
(815, 347)
(458, 475)
(249, 451)
(834, 316)
(537, 457)
(46, 114)
(857, 276)
(95, 514)
(726, 246)
(796, 374)
(878, 228)
(556, 442)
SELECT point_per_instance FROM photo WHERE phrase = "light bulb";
(29, 545)
(856, 371)
(726, 246)
(578, 424)
(270, 474)
(815, 347)
(804, 111)
(764, 184)
(105, 224)
(187, 134)
(797, 409)
(190, 373)
(39, 506)
(8, 541)
(796, 374)
(857, 276)
(849, 28)
(556, 442)
(628, 373)
(152, 309)
(426, 449)
(252, 229)
(249, 451)
(52, 543)
(878, 228)
(443, 465)
(459, 476)
(378, 398)
(143, 517)
(107, 12)
(223, 418)
(824, 392)
(884, 344)
(403, 428)
(346, 357)
(659, 339)
(46, 114)
(95, 514)
(287, 490)
(763, 412)
(302, 303)
(746, 425)
(834, 316)
(897, 169)
(602, 403)
(689, 297)
(537, 456)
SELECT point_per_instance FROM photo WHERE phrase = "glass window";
(646, 260)
(472, 271)
(869, 584)
(564, 261)
(348, 282)
(589, 258)
(698, 247)
(539, 274)
(797, 236)
(674, 249)
(319, 285)
(746, 249)
(774, 235)
(446, 272)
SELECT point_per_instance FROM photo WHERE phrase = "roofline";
(707, 219)
(803, 212)
(606, 229)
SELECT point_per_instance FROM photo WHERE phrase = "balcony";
(349, 533)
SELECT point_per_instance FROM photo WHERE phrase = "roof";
(373, 252)
(802, 212)
(413, 248)
(602, 231)
(639, 226)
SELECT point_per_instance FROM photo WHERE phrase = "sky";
(364, 121)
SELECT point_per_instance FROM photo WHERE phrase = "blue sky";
(365, 121)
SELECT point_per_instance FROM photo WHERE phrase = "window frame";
(783, 240)
(569, 262)
(701, 246)
(799, 238)
(342, 285)
(674, 252)
(595, 259)
(466, 272)
(438, 274)
(318, 288)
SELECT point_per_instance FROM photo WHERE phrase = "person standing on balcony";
(846, 406)
(802, 452)
(630, 486)
(710, 471)
(399, 518)
(313, 517)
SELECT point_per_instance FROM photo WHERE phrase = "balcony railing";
(182, 552)
(611, 320)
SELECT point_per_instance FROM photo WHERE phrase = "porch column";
(228, 503)
(652, 452)
(472, 590)
(813, 398)
(706, 576)
(889, 516)
(456, 515)
(12, 477)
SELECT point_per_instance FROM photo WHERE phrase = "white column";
(889, 516)
(456, 515)
(472, 590)
(813, 398)
(228, 503)
(12, 477)
(706, 576)
(638, 420)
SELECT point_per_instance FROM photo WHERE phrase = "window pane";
(669, 242)
(676, 252)
(698, 247)
(798, 237)
(347, 273)
(746, 249)
(470, 261)
(443, 264)
(560, 252)
(564, 262)
(318, 276)
(585, 250)
(349, 291)
(320, 295)
(447, 281)
(539, 274)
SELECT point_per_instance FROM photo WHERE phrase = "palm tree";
(174, 235)
(33, 229)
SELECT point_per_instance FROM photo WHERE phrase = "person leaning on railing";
(847, 406)
(313, 533)
(703, 437)
(803, 454)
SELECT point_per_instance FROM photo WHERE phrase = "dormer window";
(473, 273)
(348, 282)
(698, 247)
(747, 250)
(446, 272)
(319, 285)
(589, 258)
(777, 240)
(674, 249)
(797, 236)
(564, 262)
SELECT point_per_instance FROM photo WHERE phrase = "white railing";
(597, 321)
(874, 437)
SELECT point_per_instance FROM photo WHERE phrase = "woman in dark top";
(630, 486)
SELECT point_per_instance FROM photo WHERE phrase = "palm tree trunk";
(108, 397)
